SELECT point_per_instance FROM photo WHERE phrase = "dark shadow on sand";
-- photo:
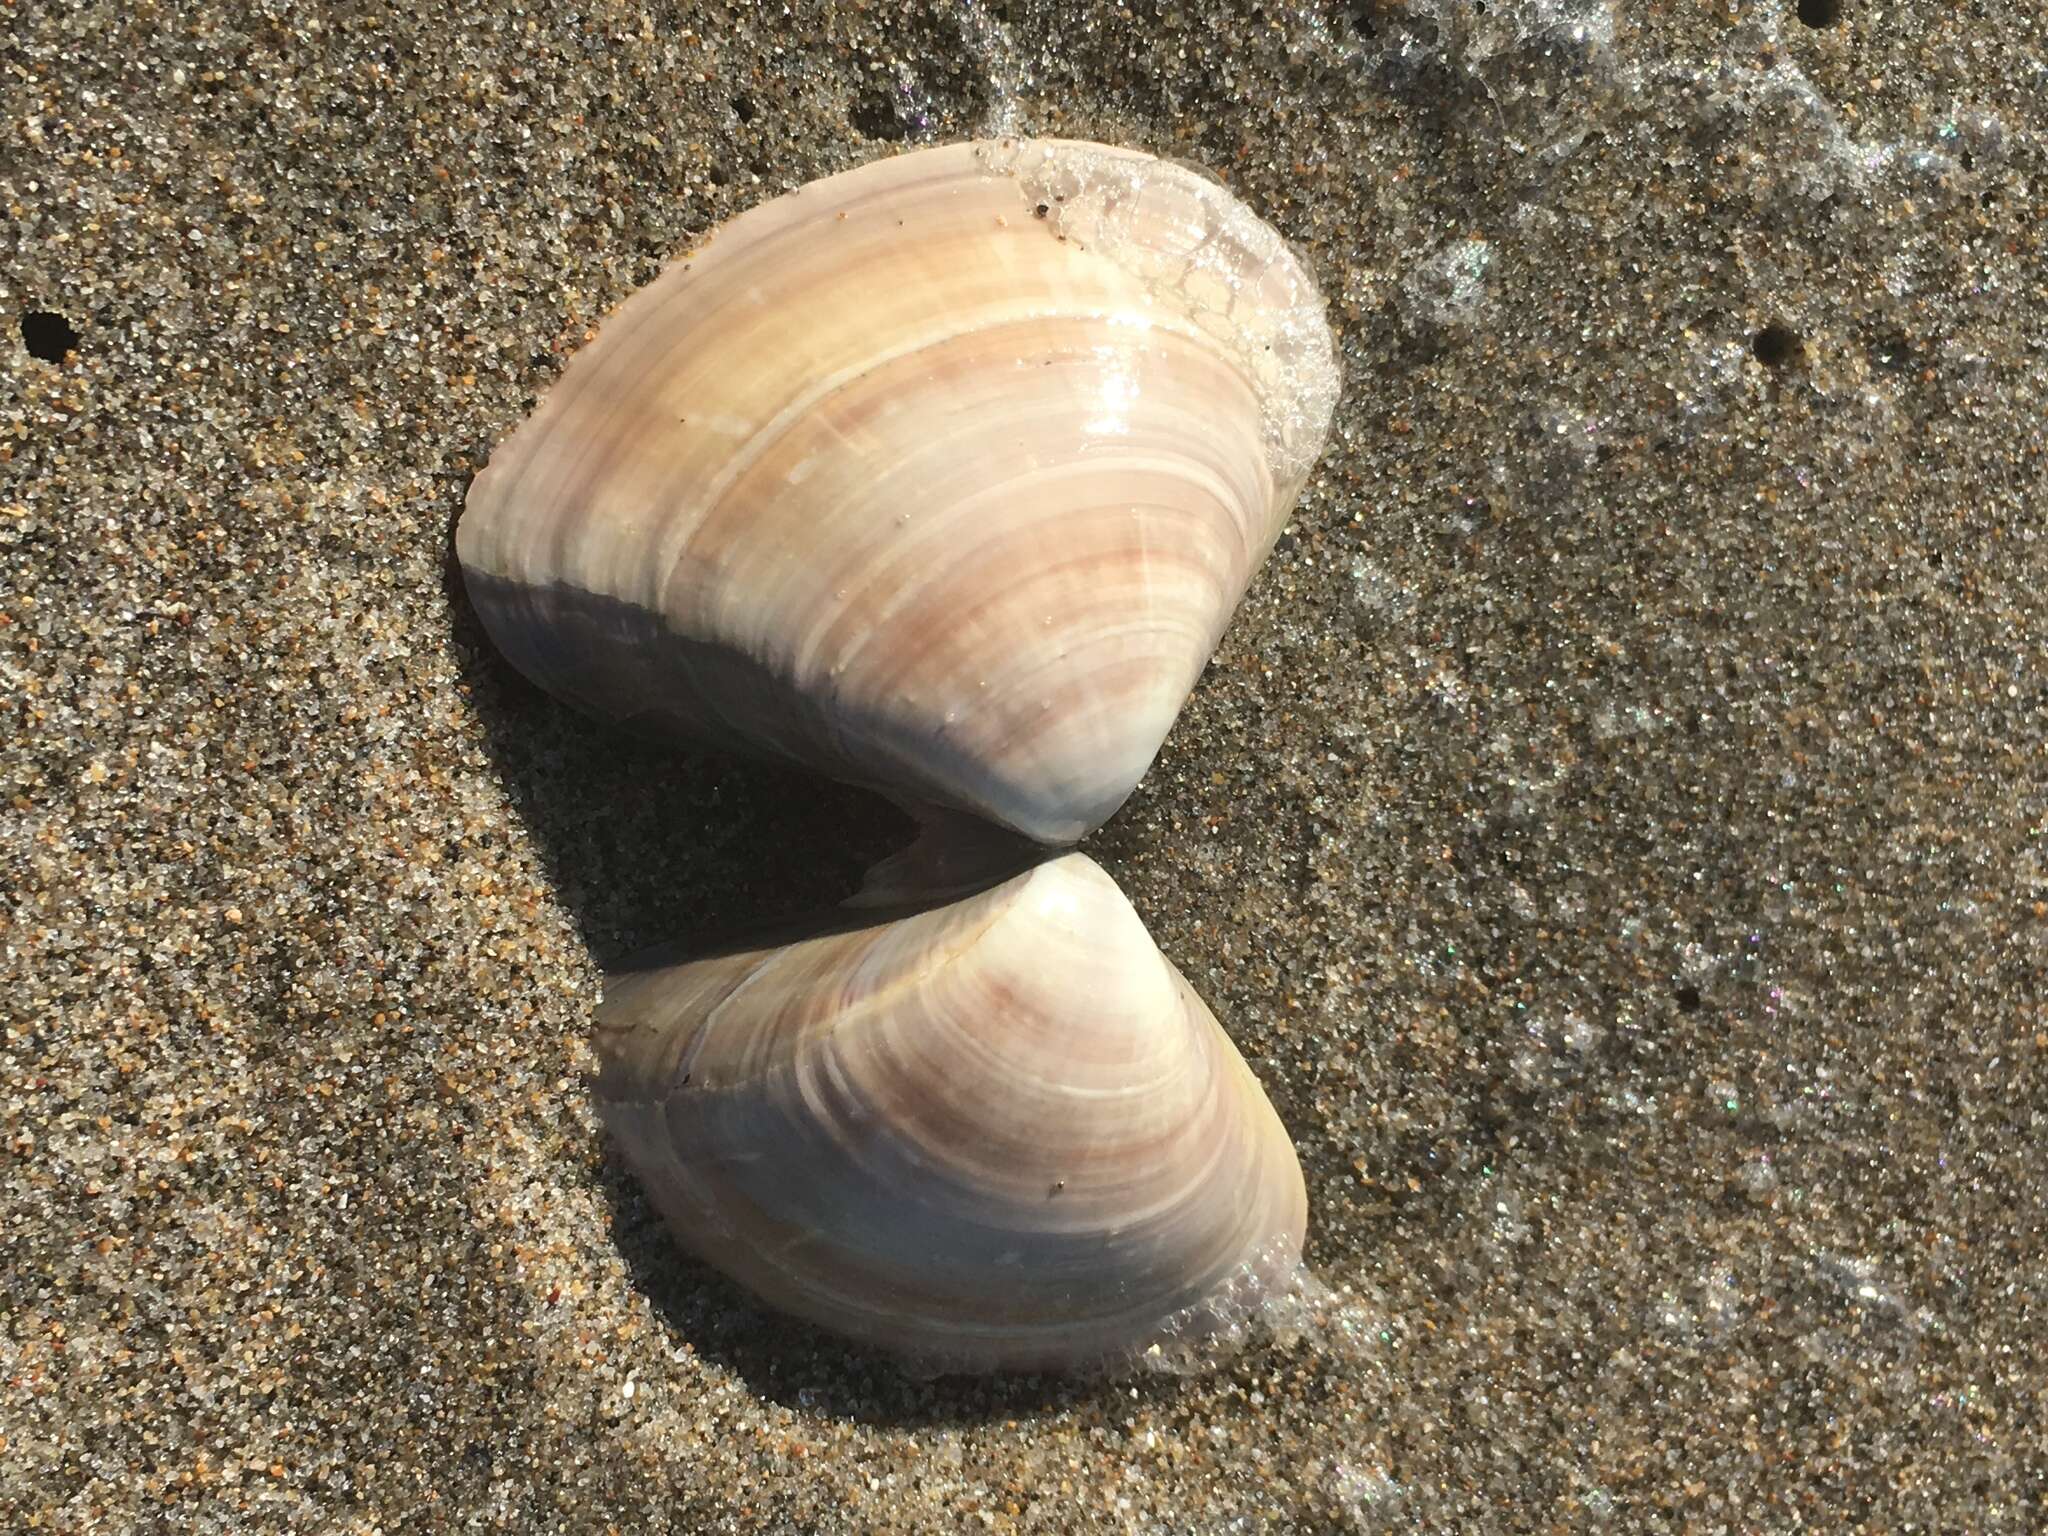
(645, 843)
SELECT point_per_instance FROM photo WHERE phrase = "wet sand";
(1615, 827)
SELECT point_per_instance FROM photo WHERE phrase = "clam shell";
(1002, 1133)
(941, 476)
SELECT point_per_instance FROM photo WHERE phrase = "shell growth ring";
(943, 477)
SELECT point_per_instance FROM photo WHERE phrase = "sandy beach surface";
(1615, 827)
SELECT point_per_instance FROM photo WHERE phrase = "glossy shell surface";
(942, 475)
(1002, 1133)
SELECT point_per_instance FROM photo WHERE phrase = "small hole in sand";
(1820, 13)
(1777, 346)
(48, 336)
(874, 116)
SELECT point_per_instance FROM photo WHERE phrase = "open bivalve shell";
(941, 476)
(1002, 1133)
